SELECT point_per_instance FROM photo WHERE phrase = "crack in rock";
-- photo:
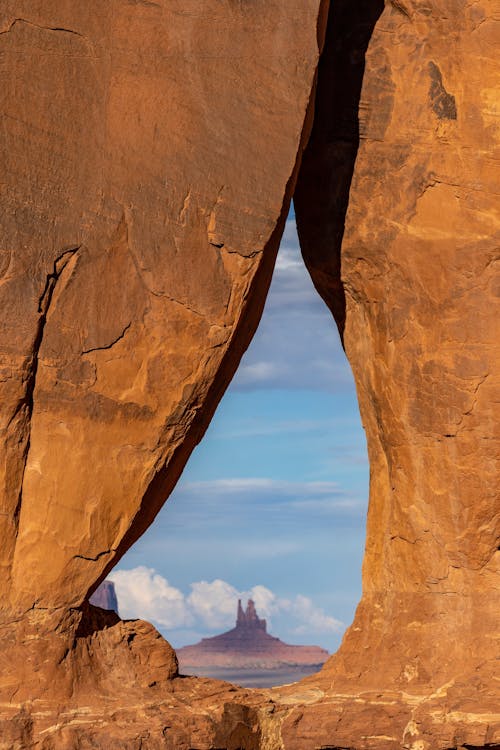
(111, 344)
(39, 26)
(44, 302)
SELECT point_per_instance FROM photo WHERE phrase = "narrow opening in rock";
(272, 504)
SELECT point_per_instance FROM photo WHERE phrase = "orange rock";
(149, 152)
(411, 282)
(148, 159)
(148, 156)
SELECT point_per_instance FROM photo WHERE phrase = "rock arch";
(151, 151)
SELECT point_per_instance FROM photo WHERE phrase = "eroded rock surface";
(413, 284)
(148, 158)
(149, 152)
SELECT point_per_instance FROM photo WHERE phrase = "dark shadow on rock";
(94, 619)
(322, 192)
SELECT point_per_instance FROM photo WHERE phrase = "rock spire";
(249, 618)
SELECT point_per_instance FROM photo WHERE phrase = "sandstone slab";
(148, 158)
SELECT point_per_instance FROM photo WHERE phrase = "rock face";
(248, 646)
(417, 305)
(148, 156)
(105, 596)
(411, 275)
(149, 152)
(146, 179)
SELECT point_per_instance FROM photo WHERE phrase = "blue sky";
(273, 501)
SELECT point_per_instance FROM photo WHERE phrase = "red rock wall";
(148, 158)
(149, 152)
(412, 283)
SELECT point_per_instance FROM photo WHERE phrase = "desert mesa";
(248, 646)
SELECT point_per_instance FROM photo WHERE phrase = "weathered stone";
(148, 160)
(412, 284)
(149, 152)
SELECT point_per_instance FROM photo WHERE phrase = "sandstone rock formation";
(413, 284)
(248, 646)
(148, 156)
(418, 262)
(105, 596)
(149, 152)
(146, 176)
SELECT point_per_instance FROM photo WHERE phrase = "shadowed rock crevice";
(322, 193)
(26, 405)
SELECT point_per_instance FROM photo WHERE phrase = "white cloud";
(143, 593)
(311, 618)
(210, 606)
(213, 603)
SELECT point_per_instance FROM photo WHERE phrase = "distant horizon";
(239, 602)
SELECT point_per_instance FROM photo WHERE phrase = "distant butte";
(248, 645)
(105, 596)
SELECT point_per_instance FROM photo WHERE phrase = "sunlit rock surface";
(149, 152)
(148, 156)
(413, 284)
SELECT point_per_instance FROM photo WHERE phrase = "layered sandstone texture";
(248, 646)
(402, 242)
(148, 155)
(149, 152)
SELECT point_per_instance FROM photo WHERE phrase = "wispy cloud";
(287, 351)
(323, 496)
(256, 484)
(210, 605)
(284, 427)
